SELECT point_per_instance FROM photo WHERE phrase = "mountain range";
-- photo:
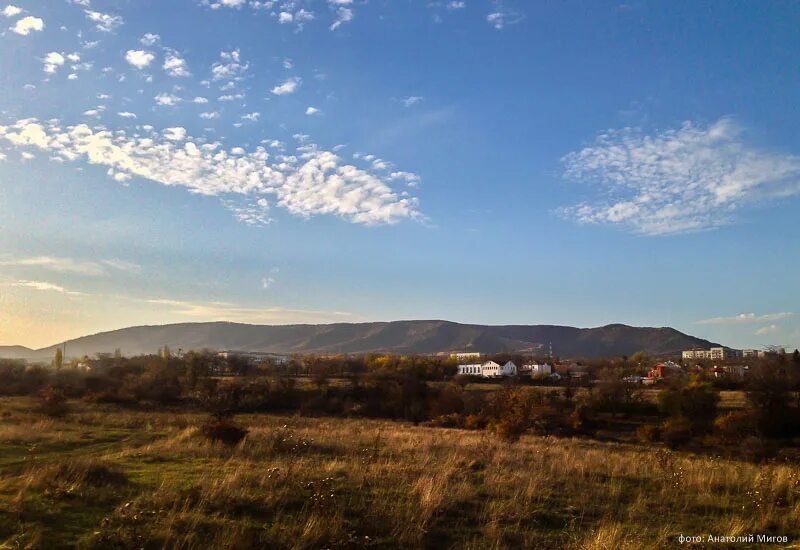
(394, 337)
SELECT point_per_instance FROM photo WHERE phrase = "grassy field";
(105, 477)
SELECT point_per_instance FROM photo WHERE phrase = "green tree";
(696, 402)
(58, 361)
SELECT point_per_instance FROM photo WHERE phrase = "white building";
(474, 369)
(718, 354)
(488, 369)
(536, 369)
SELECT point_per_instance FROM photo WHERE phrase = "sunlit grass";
(149, 479)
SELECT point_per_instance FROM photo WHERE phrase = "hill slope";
(395, 336)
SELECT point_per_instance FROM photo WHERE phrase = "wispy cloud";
(746, 318)
(502, 16)
(693, 178)
(70, 265)
(769, 329)
(104, 22)
(45, 287)
(223, 311)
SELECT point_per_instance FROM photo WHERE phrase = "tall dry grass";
(316, 483)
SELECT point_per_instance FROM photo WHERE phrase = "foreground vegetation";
(193, 452)
(109, 477)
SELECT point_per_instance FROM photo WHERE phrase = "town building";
(715, 354)
(462, 355)
(536, 369)
(664, 370)
(489, 369)
(255, 357)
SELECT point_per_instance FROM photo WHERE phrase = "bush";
(676, 432)
(510, 429)
(224, 430)
(649, 433)
(474, 422)
(695, 403)
(53, 403)
(736, 426)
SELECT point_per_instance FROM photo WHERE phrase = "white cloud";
(211, 115)
(746, 318)
(139, 58)
(312, 111)
(200, 100)
(267, 282)
(688, 179)
(11, 11)
(150, 39)
(343, 15)
(251, 117)
(104, 22)
(412, 100)
(456, 5)
(312, 182)
(175, 66)
(502, 16)
(288, 86)
(411, 179)
(231, 67)
(175, 134)
(28, 24)
(52, 62)
(126, 114)
(168, 100)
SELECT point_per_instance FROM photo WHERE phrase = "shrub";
(223, 430)
(510, 429)
(676, 432)
(581, 420)
(695, 403)
(53, 403)
(736, 426)
(649, 433)
(474, 422)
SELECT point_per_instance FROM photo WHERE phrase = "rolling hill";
(394, 336)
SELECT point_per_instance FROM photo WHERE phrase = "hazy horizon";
(315, 161)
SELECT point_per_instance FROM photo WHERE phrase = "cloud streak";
(688, 179)
(70, 265)
(745, 318)
(223, 311)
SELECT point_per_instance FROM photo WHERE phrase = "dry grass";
(316, 483)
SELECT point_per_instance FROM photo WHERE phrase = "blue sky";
(331, 160)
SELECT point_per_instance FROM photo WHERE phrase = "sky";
(481, 161)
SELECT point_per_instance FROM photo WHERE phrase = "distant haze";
(395, 337)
